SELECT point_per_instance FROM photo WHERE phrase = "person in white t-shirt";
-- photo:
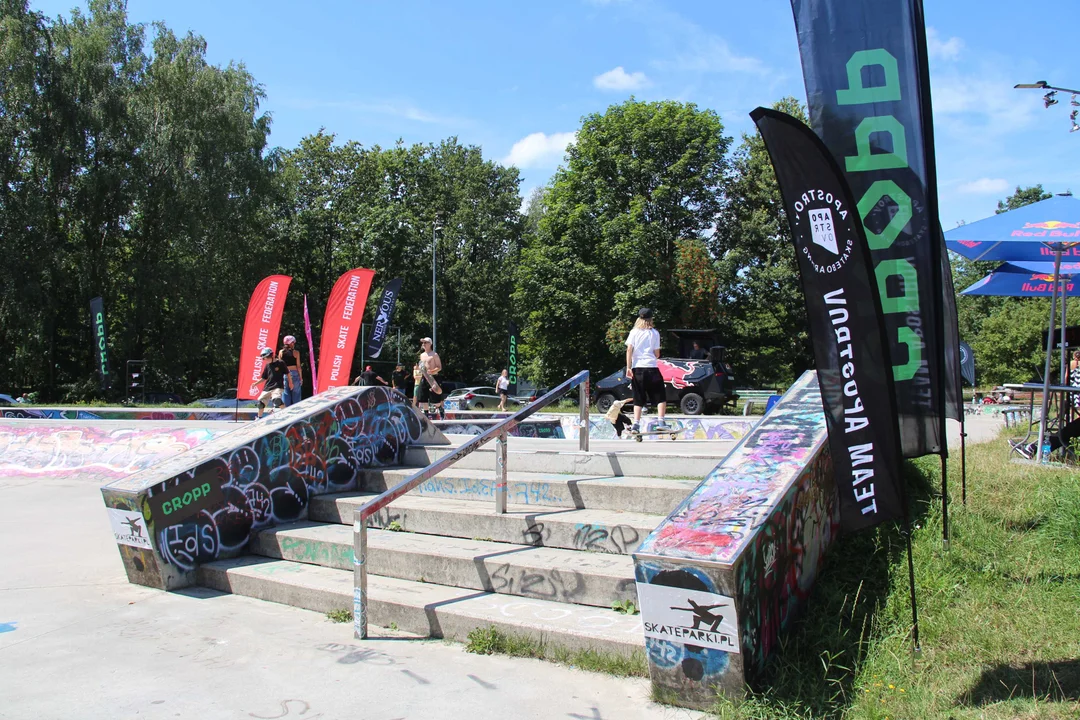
(502, 385)
(642, 352)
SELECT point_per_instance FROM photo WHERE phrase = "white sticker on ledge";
(689, 617)
(129, 528)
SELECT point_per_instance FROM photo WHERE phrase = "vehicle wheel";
(692, 404)
(603, 403)
(478, 406)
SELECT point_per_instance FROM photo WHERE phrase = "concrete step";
(606, 531)
(657, 496)
(527, 571)
(684, 460)
(425, 608)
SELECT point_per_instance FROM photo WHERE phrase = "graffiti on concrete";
(756, 531)
(74, 413)
(268, 472)
(108, 454)
(529, 428)
(694, 428)
(778, 568)
(713, 523)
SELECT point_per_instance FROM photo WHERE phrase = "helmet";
(266, 352)
(289, 340)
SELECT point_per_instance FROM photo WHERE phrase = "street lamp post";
(1050, 98)
(435, 228)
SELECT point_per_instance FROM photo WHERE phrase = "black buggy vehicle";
(694, 384)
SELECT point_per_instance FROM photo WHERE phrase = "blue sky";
(516, 78)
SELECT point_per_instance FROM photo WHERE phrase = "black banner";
(383, 312)
(967, 363)
(868, 95)
(512, 362)
(844, 311)
(101, 342)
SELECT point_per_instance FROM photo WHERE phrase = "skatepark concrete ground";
(78, 641)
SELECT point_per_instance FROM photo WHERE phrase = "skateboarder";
(617, 417)
(642, 353)
(275, 378)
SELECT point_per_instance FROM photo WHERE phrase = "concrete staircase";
(442, 562)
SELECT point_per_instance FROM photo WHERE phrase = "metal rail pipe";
(497, 432)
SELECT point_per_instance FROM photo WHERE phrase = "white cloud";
(711, 53)
(619, 79)
(939, 49)
(985, 186)
(539, 150)
(985, 104)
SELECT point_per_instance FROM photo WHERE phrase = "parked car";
(479, 398)
(6, 399)
(693, 386)
(226, 399)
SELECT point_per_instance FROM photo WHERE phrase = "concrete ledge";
(425, 608)
(604, 531)
(723, 576)
(655, 496)
(202, 505)
(526, 571)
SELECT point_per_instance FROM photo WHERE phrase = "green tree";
(1022, 197)
(640, 177)
(762, 310)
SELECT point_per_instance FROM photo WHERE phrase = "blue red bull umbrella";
(1048, 230)
(1017, 280)
(1031, 233)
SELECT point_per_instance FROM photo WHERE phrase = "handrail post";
(583, 415)
(500, 474)
(360, 595)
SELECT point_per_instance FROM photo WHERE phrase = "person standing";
(502, 386)
(642, 353)
(1074, 377)
(430, 367)
(275, 380)
(291, 357)
(418, 378)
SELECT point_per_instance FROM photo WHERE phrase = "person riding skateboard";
(642, 354)
(275, 378)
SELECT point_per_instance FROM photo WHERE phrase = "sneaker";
(661, 425)
(635, 428)
(1027, 451)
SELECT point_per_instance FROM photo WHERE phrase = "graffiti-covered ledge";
(204, 504)
(732, 566)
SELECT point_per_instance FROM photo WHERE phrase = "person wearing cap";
(430, 366)
(642, 353)
(291, 357)
(275, 379)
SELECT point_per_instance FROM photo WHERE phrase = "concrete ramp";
(728, 571)
(204, 504)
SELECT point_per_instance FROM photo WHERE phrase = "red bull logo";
(1043, 278)
(1051, 225)
(679, 374)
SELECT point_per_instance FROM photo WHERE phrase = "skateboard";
(673, 431)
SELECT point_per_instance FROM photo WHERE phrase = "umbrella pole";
(1063, 377)
(1049, 354)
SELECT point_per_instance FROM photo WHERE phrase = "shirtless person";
(430, 365)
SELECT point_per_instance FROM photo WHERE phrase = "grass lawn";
(999, 612)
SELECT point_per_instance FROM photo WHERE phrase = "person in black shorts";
(275, 378)
(642, 354)
(430, 366)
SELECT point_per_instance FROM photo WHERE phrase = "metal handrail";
(499, 433)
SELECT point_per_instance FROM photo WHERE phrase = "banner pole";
(944, 502)
(963, 461)
(916, 648)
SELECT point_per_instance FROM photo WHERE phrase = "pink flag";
(311, 348)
